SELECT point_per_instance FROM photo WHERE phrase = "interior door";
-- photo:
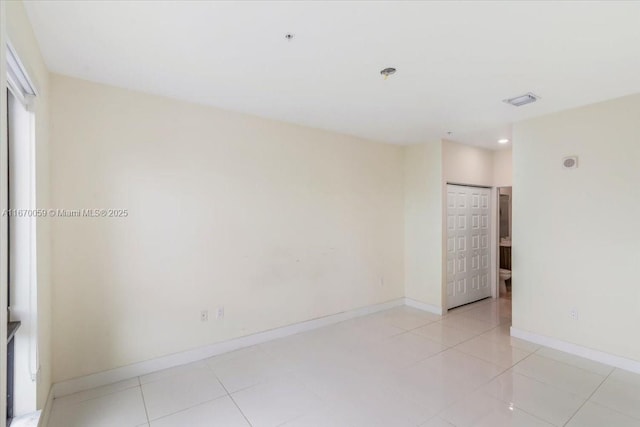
(468, 254)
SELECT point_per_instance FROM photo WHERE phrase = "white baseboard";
(423, 306)
(578, 350)
(142, 368)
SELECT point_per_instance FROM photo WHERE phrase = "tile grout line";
(494, 377)
(478, 358)
(193, 405)
(410, 331)
(447, 347)
(617, 411)
(529, 376)
(553, 386)
(483, 385)
(233, 400)
(99, 396)
(144, 402)
(478, 334)
(572, 365)
(189, 408)
(479, 387)
(588, 398)
(177, 370)
(497, 339)
(229, 394)
(393, 335)
(534, 379)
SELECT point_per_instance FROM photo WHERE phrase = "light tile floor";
(401, 367)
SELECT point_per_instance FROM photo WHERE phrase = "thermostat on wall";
(570, 162)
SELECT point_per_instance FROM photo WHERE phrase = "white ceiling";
(456, 61)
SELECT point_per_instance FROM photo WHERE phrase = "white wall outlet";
(36, 377)
(204, 316)
(220, 313)
(573, 314)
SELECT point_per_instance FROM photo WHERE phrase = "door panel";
(468, 256)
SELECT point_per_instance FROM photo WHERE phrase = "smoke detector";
(519, 101)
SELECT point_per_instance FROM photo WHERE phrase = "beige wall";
(465, 164)
(428, 168)
(423, 219)
(470, 165)
(292, 214)
(275, 222)
(576, 231)
(502, 168)
(23, 40)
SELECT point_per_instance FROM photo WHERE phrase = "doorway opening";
(505, 279)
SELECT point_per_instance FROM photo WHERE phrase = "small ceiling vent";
(521, 100)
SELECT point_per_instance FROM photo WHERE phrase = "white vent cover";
(570, 162)
(519, 101)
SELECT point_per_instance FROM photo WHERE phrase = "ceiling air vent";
(521, 100)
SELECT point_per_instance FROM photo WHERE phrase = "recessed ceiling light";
(503, 141)
(387, 72)
(521, 100)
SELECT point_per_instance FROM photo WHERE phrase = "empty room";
(319, 213)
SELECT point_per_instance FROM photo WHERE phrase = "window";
(22, 360)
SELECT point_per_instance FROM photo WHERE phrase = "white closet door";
(468, 228)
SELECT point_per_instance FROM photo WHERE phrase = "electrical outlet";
(573, 314)
(204, 316)
(220, 313)
(36, 378)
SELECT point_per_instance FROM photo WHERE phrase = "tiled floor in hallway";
(401, 367)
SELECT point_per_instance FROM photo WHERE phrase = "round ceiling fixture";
(388, 72)
(289, 36)
(503, 141)
(570, 162)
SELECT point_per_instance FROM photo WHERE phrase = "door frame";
(496, 235)
(493, 239)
